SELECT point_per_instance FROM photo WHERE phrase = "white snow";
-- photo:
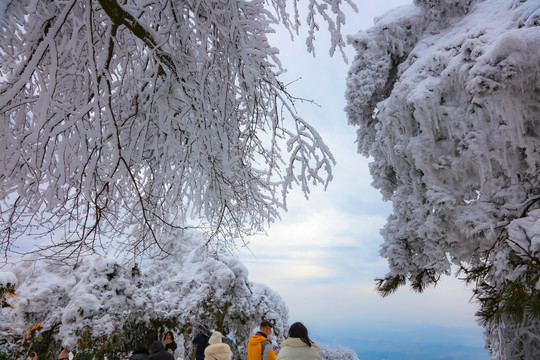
(7, 278)
(445, 96)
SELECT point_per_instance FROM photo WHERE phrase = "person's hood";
(220, 348)
(215, 338)
(297, 342)
(157, 346)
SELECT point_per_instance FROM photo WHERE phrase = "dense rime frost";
(337, 353)
(446, 97)
(7, 278)
(131, 117)
(102, 301)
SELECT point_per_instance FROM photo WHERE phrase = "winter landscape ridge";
(443, 101)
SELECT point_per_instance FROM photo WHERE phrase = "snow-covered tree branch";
(445, 95)
(132, 117)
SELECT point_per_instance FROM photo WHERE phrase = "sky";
(322, 257)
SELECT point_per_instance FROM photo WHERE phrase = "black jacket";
(139, 356)
(171, 346)
(201, 340)
(159, 352)
(140, 353)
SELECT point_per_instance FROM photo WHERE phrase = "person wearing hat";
(217, 350)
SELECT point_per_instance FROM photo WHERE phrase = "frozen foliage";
(446, 97)
(131, 117)
(100, 306)
(7, 279)
(337, 353)
(8, 283)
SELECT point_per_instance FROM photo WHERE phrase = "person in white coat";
(217, 350)
(298, 345)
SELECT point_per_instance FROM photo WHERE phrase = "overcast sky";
(323, 256)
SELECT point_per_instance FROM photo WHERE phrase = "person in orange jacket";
(259, 346)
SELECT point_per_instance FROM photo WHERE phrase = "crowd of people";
(297, 346)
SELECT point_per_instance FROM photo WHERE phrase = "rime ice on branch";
(445, 95)
(127, 118)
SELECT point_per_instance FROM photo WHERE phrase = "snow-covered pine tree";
(100, 307)
(129, 117)
(446, 98)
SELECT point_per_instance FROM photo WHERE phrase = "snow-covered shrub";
(337, 353)
(8, 282)
(100, 306)
(94, 300)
